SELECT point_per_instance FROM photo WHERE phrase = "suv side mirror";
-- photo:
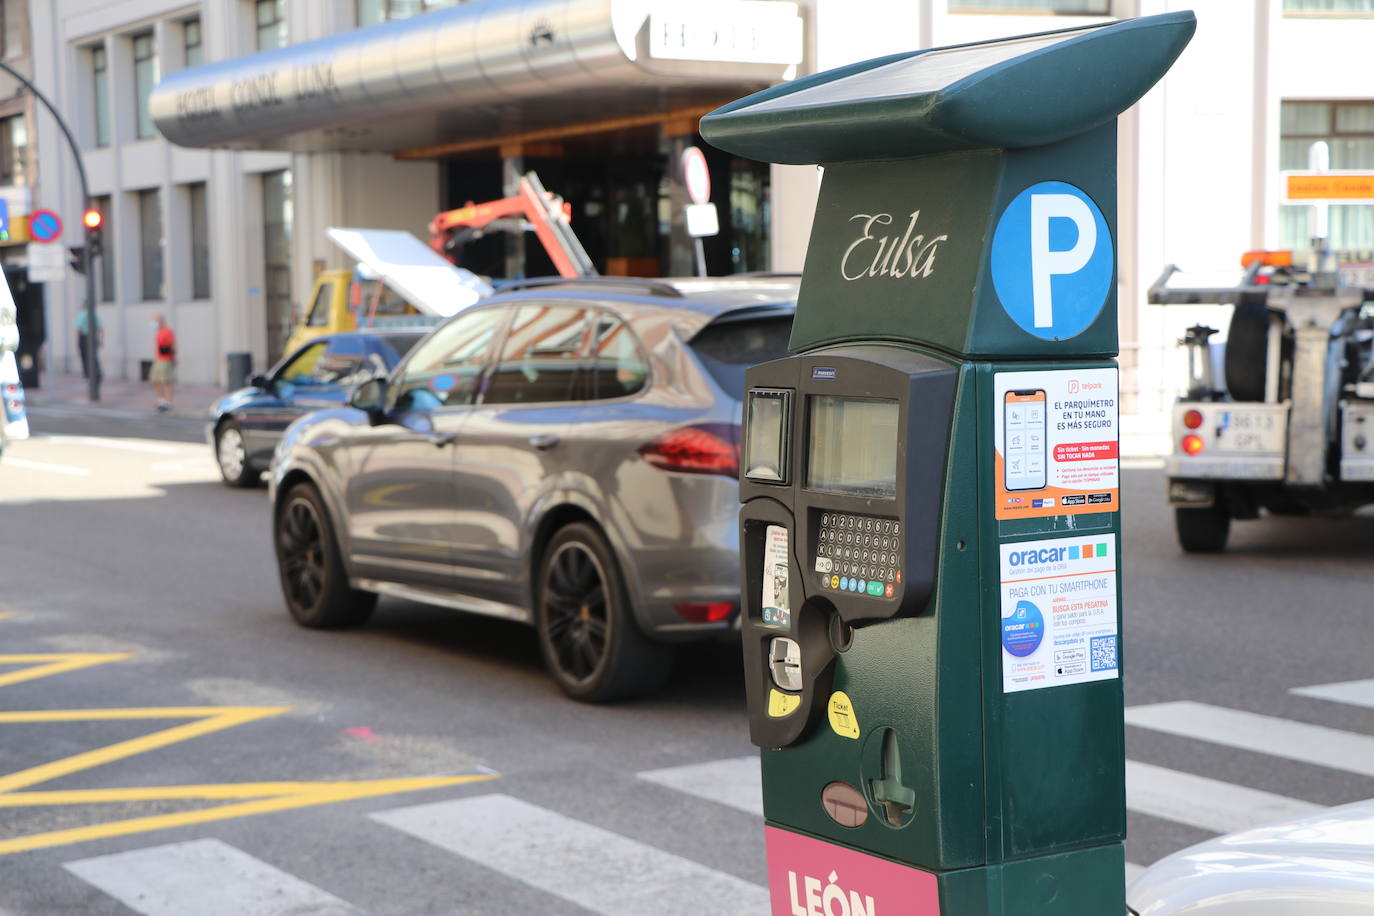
(370, 396)
(261, 382)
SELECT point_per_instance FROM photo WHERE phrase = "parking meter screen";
(853, 446)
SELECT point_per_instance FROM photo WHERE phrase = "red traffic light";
(92, 219)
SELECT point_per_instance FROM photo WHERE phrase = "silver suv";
(564, 454)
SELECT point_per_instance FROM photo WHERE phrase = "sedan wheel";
(587, 633)
(233, 457)
(313, 579)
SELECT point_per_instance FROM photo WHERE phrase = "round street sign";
(44, 226)
(696, 175)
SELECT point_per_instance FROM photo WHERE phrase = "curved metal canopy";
(480, 69)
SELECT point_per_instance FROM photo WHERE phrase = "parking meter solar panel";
(931, 71)
(930, 532)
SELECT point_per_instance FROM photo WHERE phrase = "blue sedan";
(246, 424)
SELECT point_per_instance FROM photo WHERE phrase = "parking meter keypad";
(861, 554)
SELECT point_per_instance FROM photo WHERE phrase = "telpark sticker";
(1056, 443)
(808, 877)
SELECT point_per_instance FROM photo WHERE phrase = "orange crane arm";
(540, 207)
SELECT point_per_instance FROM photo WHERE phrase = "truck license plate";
(1250, 432)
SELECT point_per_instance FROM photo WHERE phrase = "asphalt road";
(171, 743)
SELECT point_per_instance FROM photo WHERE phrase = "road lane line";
(127, 445)
(1351, 693)
(67, 469)
(1314, 744)
(330, 794)
(591, 867)
(50, 663)
(1208, 804)
(205, 877)
(736, 782)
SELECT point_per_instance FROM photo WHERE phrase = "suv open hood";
(412, 269)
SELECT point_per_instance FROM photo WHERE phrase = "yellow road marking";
(247, 798)
(211, 719)
(338, 793)
(53, 663)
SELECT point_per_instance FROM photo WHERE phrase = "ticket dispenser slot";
(843, 469)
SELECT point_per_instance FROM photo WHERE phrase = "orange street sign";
(1330, 187)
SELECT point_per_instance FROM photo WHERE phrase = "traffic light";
(94, 221)
(77, 258)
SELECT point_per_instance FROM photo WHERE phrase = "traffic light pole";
(87, 257)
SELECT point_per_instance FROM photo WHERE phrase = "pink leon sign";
(807, 877)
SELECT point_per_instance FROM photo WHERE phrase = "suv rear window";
(727, 348)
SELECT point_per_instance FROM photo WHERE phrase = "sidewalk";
(191, 401)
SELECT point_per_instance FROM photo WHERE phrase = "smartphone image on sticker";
(1023, 439)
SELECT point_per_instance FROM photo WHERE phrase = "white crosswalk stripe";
(591, 867)
(1314, 744)
(205, 877)
(1351, 693)
(1208, 804)
(736, 782)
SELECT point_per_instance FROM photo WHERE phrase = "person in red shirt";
(163, 373)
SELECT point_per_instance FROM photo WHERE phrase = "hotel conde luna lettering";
(295, 84)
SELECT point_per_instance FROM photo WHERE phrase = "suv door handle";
(544, 441)
(439, 440)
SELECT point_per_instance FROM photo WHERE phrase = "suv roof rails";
(643, 284)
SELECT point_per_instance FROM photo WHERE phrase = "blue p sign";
(1052, 260)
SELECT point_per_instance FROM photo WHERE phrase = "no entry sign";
(44, 226)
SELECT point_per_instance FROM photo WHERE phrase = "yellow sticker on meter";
(781, 704)
(842, 718)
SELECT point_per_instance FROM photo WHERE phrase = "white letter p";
(1045, 263)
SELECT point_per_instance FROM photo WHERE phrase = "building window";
(150, 242)
(200, 241)
(14, 150)
(1057, 7)
(270, 16)
(195, 51)
(100, 70)
(1329, 7)
(107, 256)
(145, 78)
(371, 12)
(12, 28)
(1347, 128)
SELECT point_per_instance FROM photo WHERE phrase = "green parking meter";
(930, 527)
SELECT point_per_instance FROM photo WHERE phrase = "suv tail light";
(705, 611)
(707, 448)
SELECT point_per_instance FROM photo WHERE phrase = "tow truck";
(1280, 417)
(399, 281)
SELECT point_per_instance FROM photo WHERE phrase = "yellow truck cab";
(398, 281)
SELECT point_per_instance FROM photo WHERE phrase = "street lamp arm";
(86, 256)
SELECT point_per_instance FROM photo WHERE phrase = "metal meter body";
(930, 528)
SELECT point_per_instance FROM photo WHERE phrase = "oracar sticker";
(1059, 612)
(777, 612)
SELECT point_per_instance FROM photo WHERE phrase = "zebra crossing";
(592, 869)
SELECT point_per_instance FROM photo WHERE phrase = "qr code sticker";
(1104, 653)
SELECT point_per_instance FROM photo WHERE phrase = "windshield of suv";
(728, 347)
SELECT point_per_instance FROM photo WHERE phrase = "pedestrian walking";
(83, 318)
(163, 373)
